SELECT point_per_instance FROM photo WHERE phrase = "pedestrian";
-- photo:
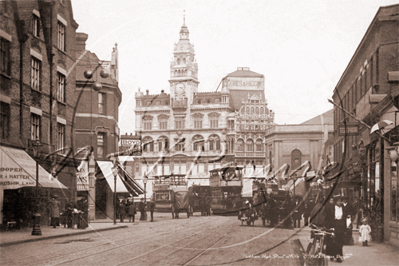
(142, 210)
(335, 217)
(364, 231)
(131, 211)
(151, 209)
(317, 214)
(83, 207)
(54, 211)
(272, 210)
(263, 213)
(122, 211)
(306, 213)
(297, 213)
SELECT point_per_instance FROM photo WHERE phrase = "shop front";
(19, 196)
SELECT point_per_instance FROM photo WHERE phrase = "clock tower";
(183, 72)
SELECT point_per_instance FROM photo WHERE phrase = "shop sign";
(348, 130)
(82, 175)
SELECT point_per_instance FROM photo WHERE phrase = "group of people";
(127, 208)
(338, 214)
(66, 217)
(289, 212)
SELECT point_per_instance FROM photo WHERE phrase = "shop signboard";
(350, 129)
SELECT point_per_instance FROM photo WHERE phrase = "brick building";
(364, 90)
(37, 82)
(97, 120)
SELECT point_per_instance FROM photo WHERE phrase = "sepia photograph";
(187, 132)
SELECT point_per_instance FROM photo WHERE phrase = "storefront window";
(394, 193)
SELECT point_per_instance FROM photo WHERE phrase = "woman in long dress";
(335, 217)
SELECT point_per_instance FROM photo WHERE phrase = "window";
(163, 125)
(198, 143)
(4, 120)
(4, 56)
(149, 147)
(240, 145)
(60, 136)
(296, 158)
(259, 146)
(179, 124)
(35, 74)
(214, 122)
(180, 146)
(35, 126)
(101, 145)
(214, 143)
(162, 195)
(61, 36)
(162, 144)
(250, 145)
(197, 124)
(60, 87)
(101, 103)
(36, 26)
(147, 125)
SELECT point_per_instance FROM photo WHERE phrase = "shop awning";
(122, 186)
(132, 185)
(18, 169)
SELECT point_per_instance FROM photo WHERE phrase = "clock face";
(180, 89)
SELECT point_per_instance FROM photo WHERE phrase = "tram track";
(164, 232)
(138, 241)
(182, 248)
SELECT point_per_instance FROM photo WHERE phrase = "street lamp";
(36, 231)
(115, 173)
(145, 179)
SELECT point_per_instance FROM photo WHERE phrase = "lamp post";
(145, 179)
(36, 231)
(115, 173)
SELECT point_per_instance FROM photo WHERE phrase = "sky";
(301, 47)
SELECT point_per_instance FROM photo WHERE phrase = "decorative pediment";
(198, 116)
(255, 97)
(147, 117)
(213, 115)
(163, 117)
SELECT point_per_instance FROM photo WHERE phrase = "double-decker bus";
(226, 189)
(170, 194)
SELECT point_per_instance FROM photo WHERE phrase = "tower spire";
(184, 17)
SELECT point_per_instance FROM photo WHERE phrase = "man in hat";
(152, 208)
(54, 207)
(335, 217)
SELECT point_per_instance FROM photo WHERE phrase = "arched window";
(184, 60)
(240, 145)
(250, 145)
(257, 110)
(214, 143)
(163, 143)
(259, 145)
(196, 144)
(296, 158)
(252, 110)
(261, 110)
(149, 147)
(247, 110)
(178, 61)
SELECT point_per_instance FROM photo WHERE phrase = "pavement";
(373, 254)
(24, 235)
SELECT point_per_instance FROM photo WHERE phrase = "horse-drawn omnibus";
(200, 199)
(170, 194)
(226, 189)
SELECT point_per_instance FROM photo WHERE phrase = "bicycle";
(315, 252)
